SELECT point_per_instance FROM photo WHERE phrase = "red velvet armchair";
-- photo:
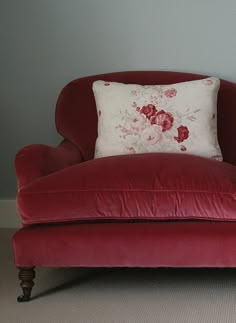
(79, 211)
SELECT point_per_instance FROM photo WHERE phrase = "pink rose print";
(148, 110)
(137, 121)
(183, 148)
(136, 106)
(151, 135)
(163, 119)
(183, 133)
(170, 93)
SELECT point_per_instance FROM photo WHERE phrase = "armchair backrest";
(76, 116)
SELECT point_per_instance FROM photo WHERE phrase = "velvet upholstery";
(35, 161)
(142, 186)
(158, 244)
(117, 206)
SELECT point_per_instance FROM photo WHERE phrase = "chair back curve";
(76, 116)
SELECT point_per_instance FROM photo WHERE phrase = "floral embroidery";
(183, 133)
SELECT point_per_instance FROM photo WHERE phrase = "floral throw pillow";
(176, 118)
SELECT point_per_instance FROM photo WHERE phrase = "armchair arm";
(35, 161)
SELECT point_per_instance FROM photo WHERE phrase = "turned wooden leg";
(26, 276)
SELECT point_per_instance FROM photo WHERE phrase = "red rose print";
(170, 93)
(148, 110)
(106, 83)
(163, 119)
(183, 148)
(99, 113)
(183, 133)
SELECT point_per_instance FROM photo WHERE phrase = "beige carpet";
(65, 295)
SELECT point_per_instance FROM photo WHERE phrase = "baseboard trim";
(9, 218)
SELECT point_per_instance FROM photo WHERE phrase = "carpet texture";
(66, 295)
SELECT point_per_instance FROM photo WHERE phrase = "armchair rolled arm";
(38, 160)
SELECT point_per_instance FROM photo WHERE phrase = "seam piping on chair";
(128, 190)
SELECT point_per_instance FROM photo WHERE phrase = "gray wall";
(47, 43)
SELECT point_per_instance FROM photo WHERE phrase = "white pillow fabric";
(176, 118)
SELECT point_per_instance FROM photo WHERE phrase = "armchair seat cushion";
(153, 186)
